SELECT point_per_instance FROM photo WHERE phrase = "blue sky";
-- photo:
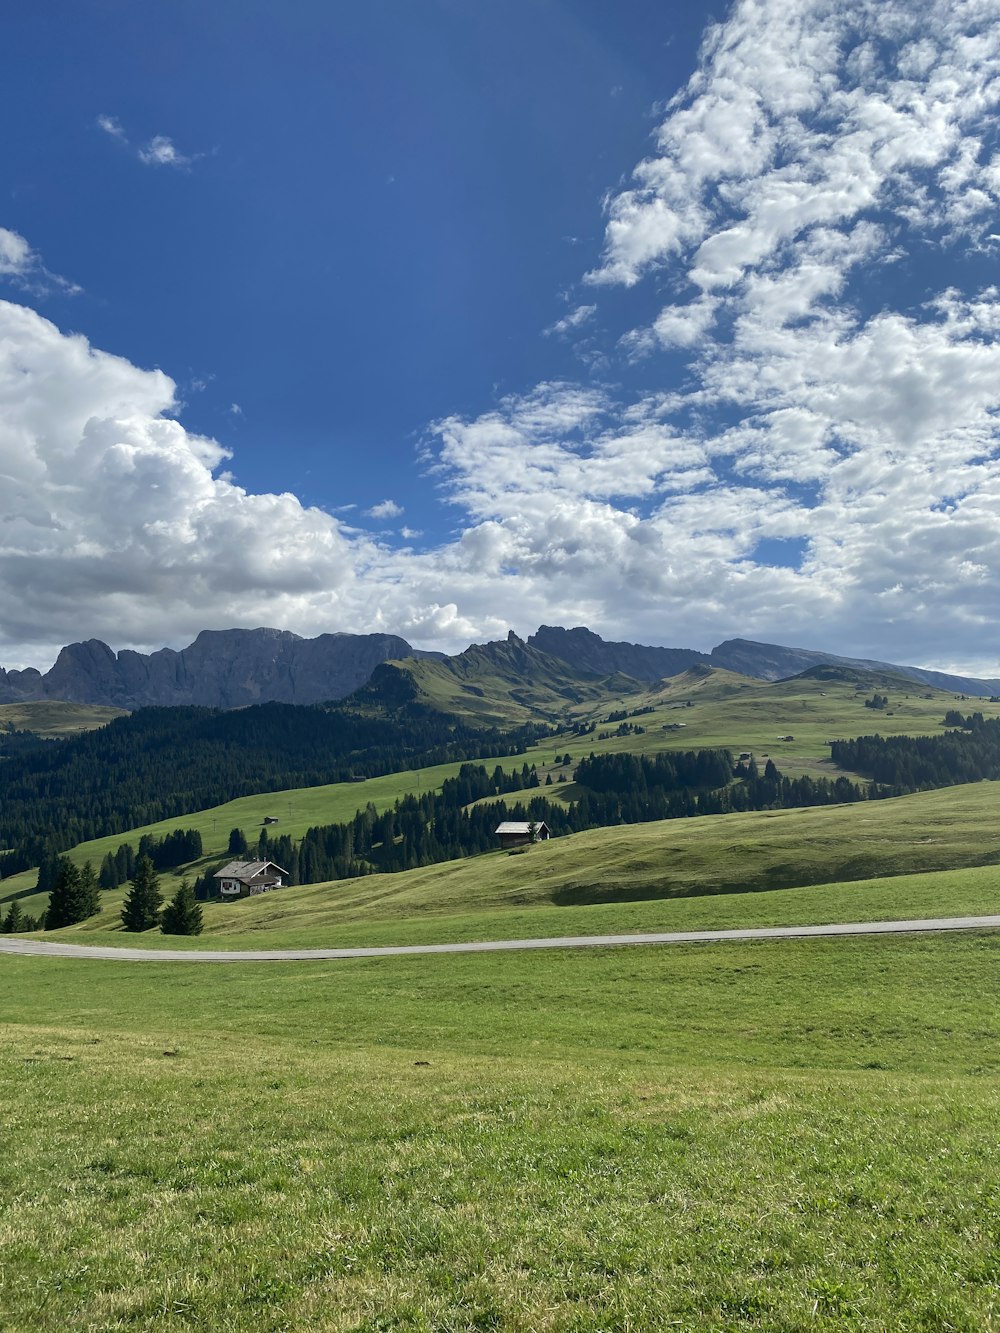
(442, 319)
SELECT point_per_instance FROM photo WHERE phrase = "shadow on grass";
(786, 875)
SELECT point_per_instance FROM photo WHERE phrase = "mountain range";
(221, 669)
(236, 667)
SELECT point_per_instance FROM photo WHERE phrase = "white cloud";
(385, 509)
(684, 325)
(111, 125)
(22, 266)
(775, 196)
(582, 314)
(16, 256)
(795, 119)
(161, 152)
(827, 410)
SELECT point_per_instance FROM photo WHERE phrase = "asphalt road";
(12, 945)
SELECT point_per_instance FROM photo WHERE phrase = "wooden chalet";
(519, 832)
(243, 879)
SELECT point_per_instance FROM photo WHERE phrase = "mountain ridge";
(746, 657)
(237, 667)
(507, 681)
(220, 669)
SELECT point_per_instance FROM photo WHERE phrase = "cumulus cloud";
(117, 523)
(816, 148)
(110, 507)
(838, 400)
(806, 113)
(385, 509)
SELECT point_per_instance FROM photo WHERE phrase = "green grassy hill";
(703, 708)
(776, 1135)
(504, 683)
(630, 878)
(53, 720)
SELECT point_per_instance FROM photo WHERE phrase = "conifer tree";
(74, 895)
(141, 910)
(89, 891)
(14, 921)
(48, 872)
(63, 909)
(182, 915)
(238, 843)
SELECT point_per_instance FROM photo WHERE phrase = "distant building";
(516, 833)
(243, 879)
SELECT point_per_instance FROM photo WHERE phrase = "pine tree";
(141, 910)
(14, 921)
(48, 872)
(74, 895)
(63, 909)
(89, 891)
(182, 915)
(238, 843)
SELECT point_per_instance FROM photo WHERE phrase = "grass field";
(791, 1135)
(54, 720)
(296, 811)
(638, 877)
(782, 1135)
(717, 708)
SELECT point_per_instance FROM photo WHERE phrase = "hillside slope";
(504, 683)
(771, 661)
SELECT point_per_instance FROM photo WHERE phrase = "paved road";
(52, 949)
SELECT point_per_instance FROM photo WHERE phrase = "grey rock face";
(221, 669)
(587, 651)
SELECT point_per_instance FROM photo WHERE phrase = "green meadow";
(717, 709)
(54, 719)
(786, 1135)
(930, 854)
(775, 1135)
(296, 811)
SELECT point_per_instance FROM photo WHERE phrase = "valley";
(739, 1135)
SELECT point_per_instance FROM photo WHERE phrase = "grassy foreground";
(790, 1135)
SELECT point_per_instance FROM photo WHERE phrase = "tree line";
(460, 819)
(74, 896)
(161, 763)
(450, 824)
(900, 764)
